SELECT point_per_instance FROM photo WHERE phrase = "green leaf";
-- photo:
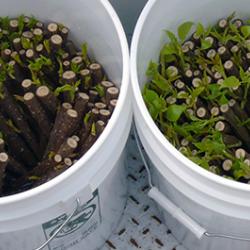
(173, 39)
(5, 21)
(169, 58)
(152, 69)
(86, 119)
(214, 92)
(99, 88)
(39, 63)
(211, 146)
(32, 22)
(245, 30)
(168, 50)
(174, 112)
(202, 162)
(200, 30)
(63, 88)
(240, 169)
(47, 45)
(155, 104)
(223, 100)
(4, 45)
(21, 23)
(205, 44)
(85, 57)
(195, 93)
(162, 83)
(26, 43)
(184, 29)
(75, 67)
(60, 70)
(230, 82)
(93, 129)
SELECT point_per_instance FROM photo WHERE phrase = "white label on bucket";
(79, 227)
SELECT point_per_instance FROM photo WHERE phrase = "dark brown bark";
(17, 44)
(28, 86)
(38, 113)
(11, 108)
(112, 105)
(16, 146)
(2, 145)
(67, 148)
(48, 100)
(3, 164)
(104, 115)
(62, 130)
(97, 72)
(81, 104)
(112, 93)
(56, 42)
(86, 78)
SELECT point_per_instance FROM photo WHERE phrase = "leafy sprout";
(71, 89)
(20, 24)
(100, 90)
(85, 57)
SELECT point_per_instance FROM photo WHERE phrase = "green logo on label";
(83, 223)
(77, 221)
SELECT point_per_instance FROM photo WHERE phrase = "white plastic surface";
(176, 212)
(96, 23)
(141, 226)
(217, 204)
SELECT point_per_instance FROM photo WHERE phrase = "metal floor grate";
(141, 226)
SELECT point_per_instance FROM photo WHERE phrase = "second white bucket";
(204, 211)
(90, 195)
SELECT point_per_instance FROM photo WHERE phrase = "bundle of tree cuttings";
(198, 94)
(54, 102)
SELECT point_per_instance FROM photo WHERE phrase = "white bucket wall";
(97, 178)
(219, 205)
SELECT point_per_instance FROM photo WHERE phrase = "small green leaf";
(162, 83)
(93, 129)
(99, 88)
(60, 70)
(211, 146)
(75, 67)
(223, 100)
(155, 104)
(245, 30)
(152, 69)
(205, 44)
(47, 45)
(21, 23)
(174, 112)
(200, 30)
(86, 119)
(5, 21)
(32, 22)
(26, 43)
(63, 88)
(85, 53)
(184, 29)
(230, 82)
(168, 50)
(173, 39)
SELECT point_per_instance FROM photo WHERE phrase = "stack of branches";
(54, 102)
(198, 95)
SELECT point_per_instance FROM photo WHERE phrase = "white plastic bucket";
(213, 209)
(97, 181)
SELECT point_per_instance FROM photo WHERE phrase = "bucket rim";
(124, 87)
(141, 106)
